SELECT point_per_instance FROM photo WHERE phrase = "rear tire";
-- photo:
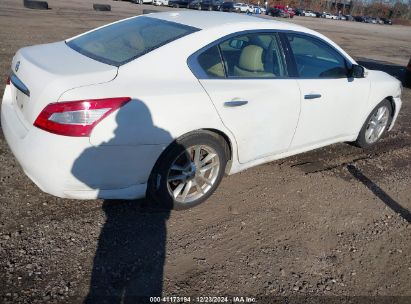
(375, 126)
(188, 171)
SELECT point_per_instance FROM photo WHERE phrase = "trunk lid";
(42, 73)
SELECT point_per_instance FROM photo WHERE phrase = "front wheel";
(189, 171)
(376, 124)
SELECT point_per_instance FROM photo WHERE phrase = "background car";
(286, 9)
(143, 1)
(258, 9)
(310, 14)
(299, 12)
(179, 3)
(386, 21)
(160, 2)
(359, 18)
(227, 7)
(276, 12)
(208, 5)
(241, 7)
(349, 18)
(329, 16)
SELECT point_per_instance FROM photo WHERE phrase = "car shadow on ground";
(394, 70)
(381, 194)
(129, 259)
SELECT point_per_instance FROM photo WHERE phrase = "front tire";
(189, 171)
(375, 125)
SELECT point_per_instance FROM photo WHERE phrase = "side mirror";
(356, 71)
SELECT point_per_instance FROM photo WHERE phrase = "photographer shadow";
(129, 259)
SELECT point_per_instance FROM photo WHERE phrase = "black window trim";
(288, 57)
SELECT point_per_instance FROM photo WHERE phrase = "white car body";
(309, 14)
(160, 2)
(257, 9)
(242, 7)
(169, 102)
(330, 16)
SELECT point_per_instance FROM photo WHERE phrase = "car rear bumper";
(71, 167)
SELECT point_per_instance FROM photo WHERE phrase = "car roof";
(205, 20)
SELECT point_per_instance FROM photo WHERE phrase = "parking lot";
(332, 222)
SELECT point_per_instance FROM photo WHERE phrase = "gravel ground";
(332, 222)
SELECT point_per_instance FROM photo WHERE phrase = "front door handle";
(312, 96)
(235, 103)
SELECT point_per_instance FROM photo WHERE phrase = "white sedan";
(163, 105)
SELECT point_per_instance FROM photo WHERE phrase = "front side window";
(316, 59)
(256, 55)
(124, 41)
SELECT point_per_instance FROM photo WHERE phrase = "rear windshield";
(124, 41)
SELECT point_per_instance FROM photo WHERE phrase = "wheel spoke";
(178, 189)
(197, 152)
(373, 123)
(199, 188)
(186, 190)
(208, 167)
(178, 168)
(381, 112)
(177, 177)
(189, 154)
(206, 159)
(369, 133)
(380, 130)
(205, 180)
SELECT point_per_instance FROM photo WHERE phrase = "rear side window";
(124, 41)
(255, 55)
(210, 62)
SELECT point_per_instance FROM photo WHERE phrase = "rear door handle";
(235, 103)
(312, 96)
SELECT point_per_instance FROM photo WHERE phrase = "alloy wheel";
(193, 173)
(377, 124)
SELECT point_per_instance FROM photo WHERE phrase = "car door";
(331, 102)
(246, 79)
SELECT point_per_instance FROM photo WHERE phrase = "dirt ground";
(333, 222)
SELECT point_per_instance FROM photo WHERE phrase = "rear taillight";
(77, 118)
(7, 79)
